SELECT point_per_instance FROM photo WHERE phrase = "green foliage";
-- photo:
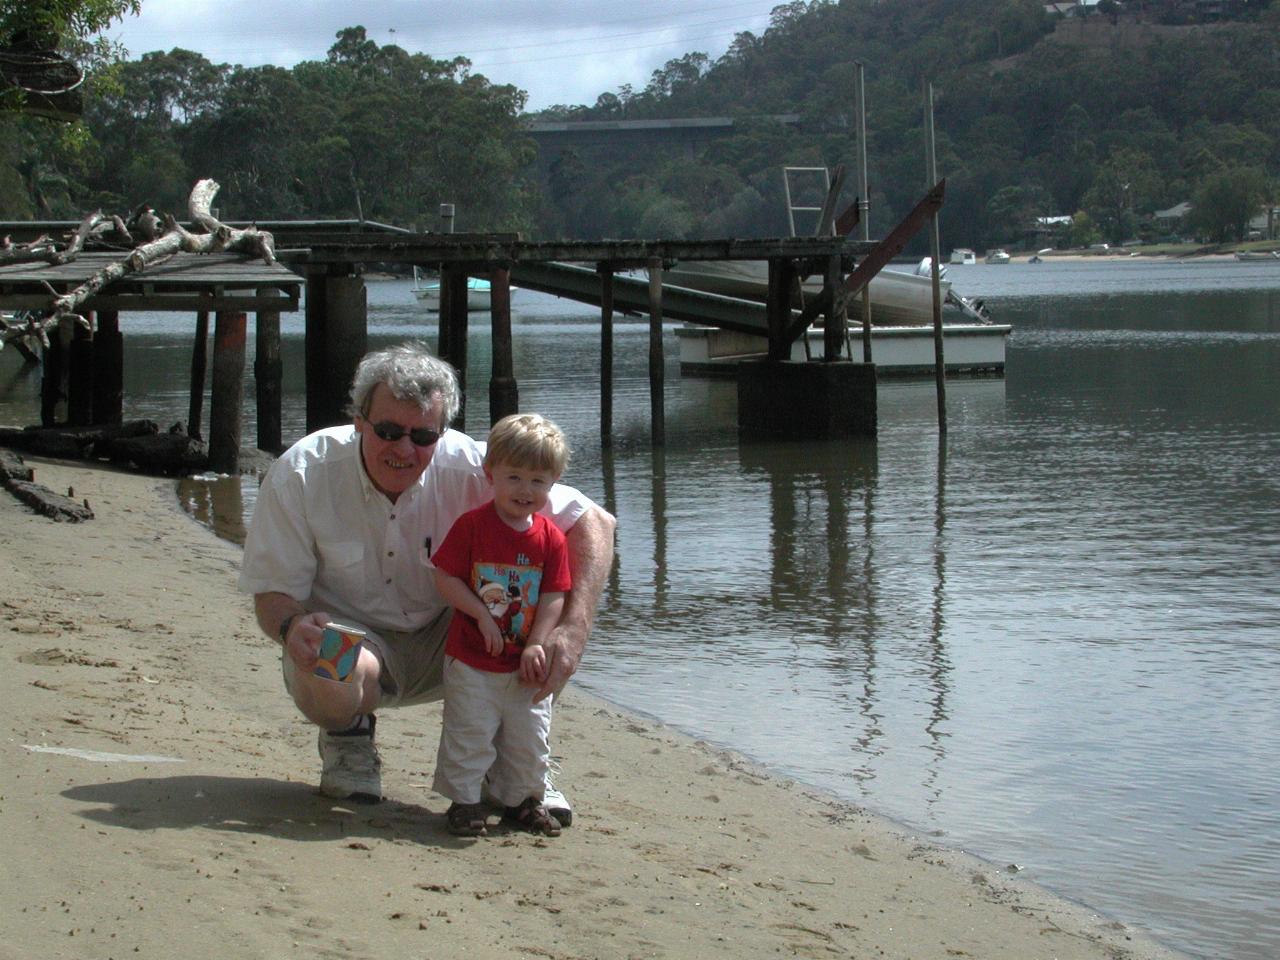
(1033, 117)
(58, 21)
(1226, 201)
(370, 131)
(1082, 231)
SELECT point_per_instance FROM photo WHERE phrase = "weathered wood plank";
(13, 467)
(44, 501)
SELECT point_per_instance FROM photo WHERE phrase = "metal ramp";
(631, 295)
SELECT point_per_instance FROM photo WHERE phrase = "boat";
(963, 256)
(1257, 255)
(897, 298)
(428, 291)
(901, 331)
(998, 256)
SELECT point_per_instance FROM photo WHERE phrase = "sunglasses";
(418, 436)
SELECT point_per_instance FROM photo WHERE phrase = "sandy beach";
(158, 798)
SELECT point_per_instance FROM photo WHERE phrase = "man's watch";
(285, 624)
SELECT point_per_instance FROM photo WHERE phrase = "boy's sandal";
(466, 819)
(531, 815)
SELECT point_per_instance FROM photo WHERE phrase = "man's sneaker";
(351, 765)
(557, 803)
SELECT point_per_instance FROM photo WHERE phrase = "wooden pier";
(331, 258)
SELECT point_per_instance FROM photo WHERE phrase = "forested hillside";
(1116, 117)
(1108, 118)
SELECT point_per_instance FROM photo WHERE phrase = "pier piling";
(227, 399)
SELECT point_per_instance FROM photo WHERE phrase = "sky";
(558, 51)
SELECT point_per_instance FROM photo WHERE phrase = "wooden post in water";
(833, 331)
(336, 339)
(606, 354)
(453, 319)
(782, 274)
(935, 244)
(80, 376)
(864, 221)
(199, 361)
(229, 337)
(268, 377)
(53, 374)
(504, 393)
(108, 378)
(657, 383)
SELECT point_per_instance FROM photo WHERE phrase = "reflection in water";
(609, 482)
(658, 493)
(217, 503)
(939, 664)
(820, 563)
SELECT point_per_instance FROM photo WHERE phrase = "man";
(344, 527)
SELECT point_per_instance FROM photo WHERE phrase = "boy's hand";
(492, 635)
(533, 665)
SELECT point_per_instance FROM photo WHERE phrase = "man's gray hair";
(411, 372)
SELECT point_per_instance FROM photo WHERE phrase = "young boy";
(505, 569)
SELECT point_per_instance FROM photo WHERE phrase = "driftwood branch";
(158, 246)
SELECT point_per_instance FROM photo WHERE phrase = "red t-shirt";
(508, 569)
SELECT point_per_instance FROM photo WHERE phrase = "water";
(1053, 642)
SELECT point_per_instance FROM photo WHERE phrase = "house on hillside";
(1264, 224)
(1045, 229)
(1171, 220)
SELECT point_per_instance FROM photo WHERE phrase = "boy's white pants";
(491, 725)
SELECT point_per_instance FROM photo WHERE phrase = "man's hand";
(302, 643)
(563, 651)
(590, 543)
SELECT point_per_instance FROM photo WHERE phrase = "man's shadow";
(284, 809)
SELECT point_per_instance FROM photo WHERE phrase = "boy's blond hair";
(528, 441)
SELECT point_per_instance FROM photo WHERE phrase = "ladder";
(792, 209)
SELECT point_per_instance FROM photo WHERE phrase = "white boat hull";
(897, 299)
(896, 351)
(477, 296)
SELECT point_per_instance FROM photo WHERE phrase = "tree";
(1081, 232)
(1012, 212)
(42, 37)
(1126, 184)
(1225, 203)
